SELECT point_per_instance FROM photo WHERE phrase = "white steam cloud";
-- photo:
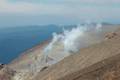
(71, 41)
(75, 38)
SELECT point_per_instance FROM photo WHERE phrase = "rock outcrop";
(6, 73)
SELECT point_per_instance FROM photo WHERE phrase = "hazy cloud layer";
(72, 9)
(26, 6)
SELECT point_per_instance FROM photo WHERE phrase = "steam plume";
(71, 41)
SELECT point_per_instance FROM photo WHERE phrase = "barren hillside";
(96, 62)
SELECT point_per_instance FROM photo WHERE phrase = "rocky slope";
(6, 73)
(97, 62)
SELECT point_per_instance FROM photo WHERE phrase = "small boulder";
(1, 66)
(44, 68)
(110, 35)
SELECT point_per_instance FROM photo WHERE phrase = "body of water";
(16, 40)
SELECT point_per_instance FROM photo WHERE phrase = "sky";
(42, 12)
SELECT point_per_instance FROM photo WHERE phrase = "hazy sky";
(35, 12)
